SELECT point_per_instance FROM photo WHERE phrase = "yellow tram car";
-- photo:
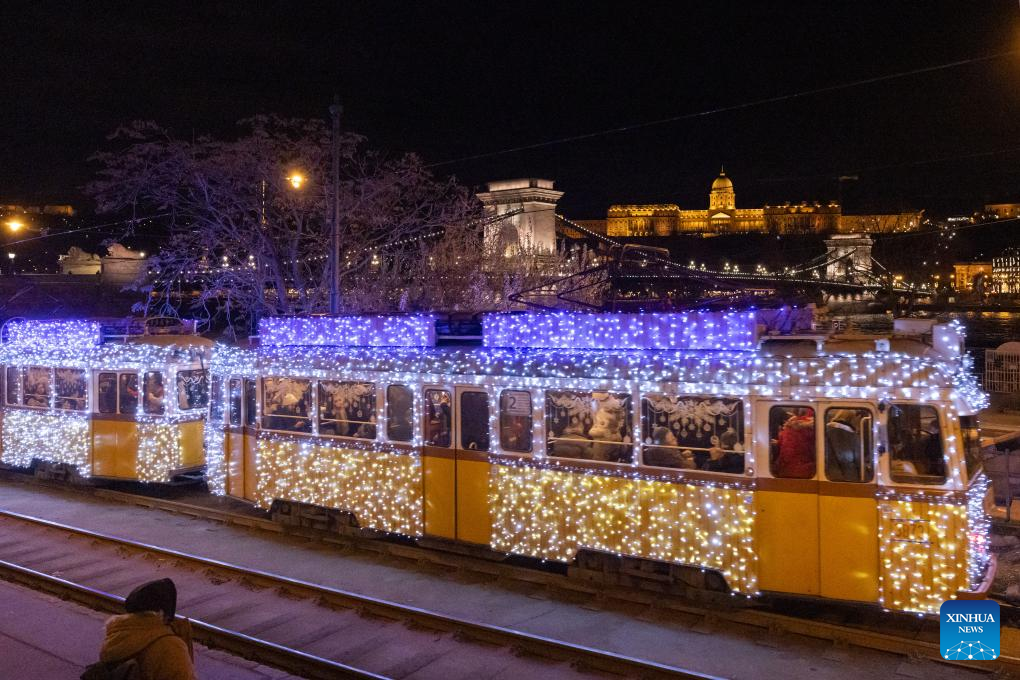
(102, 400)
(835, 467)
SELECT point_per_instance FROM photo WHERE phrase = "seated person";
(726, 454)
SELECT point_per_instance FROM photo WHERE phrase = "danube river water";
(985, 330)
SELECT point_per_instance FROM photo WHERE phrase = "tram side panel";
(810, 532)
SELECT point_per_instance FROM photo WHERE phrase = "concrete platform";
(45, 638)
(728, 650)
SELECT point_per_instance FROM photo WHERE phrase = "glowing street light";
(15, 225)
(296, 179)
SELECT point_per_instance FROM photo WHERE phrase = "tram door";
(817, 521)
(786, 526)
(473, 522)
(847, 512)
(239, 437)
(439, 461)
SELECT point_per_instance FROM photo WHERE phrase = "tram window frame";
(370, 425)
(120, 393)
(48, 395)
(900, 477)
(235, 402)
(216, 410)
(12, 399)
(184, 402)
(302, 423)
(426, 422)
(718, 456)
(406, 423)
(153, 402)
(80, 404)
(970, 442)
(100, 404)
(507, 420)
(775, 429)
(834, 429)
(599, 450)
(251, 402)
(471, 411)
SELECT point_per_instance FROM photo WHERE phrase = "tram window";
(128, 394)
(285, 404)
(71, 389)
(915, 445)
(693, 433)
(437, 418)
(474, 421)
(37, 388)
(792, 451)
(347, 409)
(106, 398)
(972, 454)
(589, 425)
(192, 389)
(251, 408)
(399, 413)
(849, 455)
(515, 421)
(235, 402)
(13, 379)
(154, 394)
(216, 400)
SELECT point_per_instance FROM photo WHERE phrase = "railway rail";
(304, 628)
(911, 637)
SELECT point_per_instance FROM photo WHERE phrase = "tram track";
(910, 637)
(304, 628)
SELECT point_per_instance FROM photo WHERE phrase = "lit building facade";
(1003, 210)
(724, 217)
(964, 273)
(1006, 272)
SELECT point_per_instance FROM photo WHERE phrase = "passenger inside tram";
(915, 445)
(792, 444)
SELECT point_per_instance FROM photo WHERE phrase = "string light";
(931, 543)
(55, 435)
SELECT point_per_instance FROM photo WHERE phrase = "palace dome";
(722, 182)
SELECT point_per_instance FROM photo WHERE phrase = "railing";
(1002, 372)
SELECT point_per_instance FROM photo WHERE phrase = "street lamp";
(10, 256)
(15, 225)
(296, 179)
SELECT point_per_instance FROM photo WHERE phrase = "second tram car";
(79, 403)
(837, 467)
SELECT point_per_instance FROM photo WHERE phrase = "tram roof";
(839, 363)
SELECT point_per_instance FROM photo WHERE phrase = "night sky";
(450, 80)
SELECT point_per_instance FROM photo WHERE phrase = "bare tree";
(247, 221)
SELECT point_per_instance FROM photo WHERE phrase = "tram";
(840, 467)
(95, 400)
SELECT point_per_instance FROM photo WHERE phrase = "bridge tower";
(853, 252)
(534, 228)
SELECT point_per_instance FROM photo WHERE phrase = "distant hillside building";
(965, 272)
(1003, 210)
(724, 217)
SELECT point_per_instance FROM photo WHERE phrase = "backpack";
(124, 669)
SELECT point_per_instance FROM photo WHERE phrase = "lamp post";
(10, 257)
(334, 242)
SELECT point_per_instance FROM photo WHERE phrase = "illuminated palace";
(723, 217)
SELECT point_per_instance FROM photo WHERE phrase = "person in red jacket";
(796, 440)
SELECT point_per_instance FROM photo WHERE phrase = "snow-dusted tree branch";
(246, 239)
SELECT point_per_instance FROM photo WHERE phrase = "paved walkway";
(45, 638)
(729, 650)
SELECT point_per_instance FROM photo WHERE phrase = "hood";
(128, 634)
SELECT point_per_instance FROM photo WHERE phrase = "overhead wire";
(726, 109)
